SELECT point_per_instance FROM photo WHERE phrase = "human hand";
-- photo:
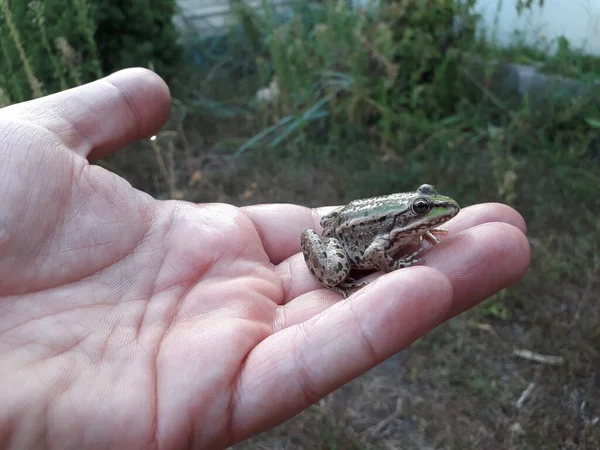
(135, 323)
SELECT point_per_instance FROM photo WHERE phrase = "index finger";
(280, 225)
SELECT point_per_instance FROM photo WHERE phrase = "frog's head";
(426, 209)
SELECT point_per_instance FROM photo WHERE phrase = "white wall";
(577, 20)
(209, 17)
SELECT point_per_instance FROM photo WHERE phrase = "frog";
(368, 234)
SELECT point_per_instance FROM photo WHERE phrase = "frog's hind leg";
(325, 258)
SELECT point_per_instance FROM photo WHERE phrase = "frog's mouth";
(443, 211)
(440, 212)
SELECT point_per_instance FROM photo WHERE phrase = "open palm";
(135, 323)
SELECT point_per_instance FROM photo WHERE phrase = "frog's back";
(369, 210)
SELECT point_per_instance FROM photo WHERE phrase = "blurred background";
(322, 102)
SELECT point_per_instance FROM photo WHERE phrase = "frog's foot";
(438, 231)
(430, 236)
(377, 255)
(342, 291)
(408, 260)
(350, 284)
(325, 258)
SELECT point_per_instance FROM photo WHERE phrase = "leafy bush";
(51, 45)
(137, 33)
(379, 67)
(44, 49)
(431, 38)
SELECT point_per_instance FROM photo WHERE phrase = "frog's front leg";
(430, 236)
(325, 258)
(377, 255)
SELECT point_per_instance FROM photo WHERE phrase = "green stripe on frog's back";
(373, 210)
(396, 208)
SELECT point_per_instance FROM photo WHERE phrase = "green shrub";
(51, 45)
(41, 48)
(431, 39)
(373, 68)
(138, 33)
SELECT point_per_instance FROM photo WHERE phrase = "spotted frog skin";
(367, 234)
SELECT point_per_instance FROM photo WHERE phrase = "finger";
(477, 262)
(97, 118)
(480, 261)
(299, 365)
(280, 225)
(297, 279)
(304, 308)
(485, 213)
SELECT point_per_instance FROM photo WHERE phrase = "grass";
(351, 120)
(36, 51)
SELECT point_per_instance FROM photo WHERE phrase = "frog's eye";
(421, 206)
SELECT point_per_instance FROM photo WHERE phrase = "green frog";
(368, 234)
